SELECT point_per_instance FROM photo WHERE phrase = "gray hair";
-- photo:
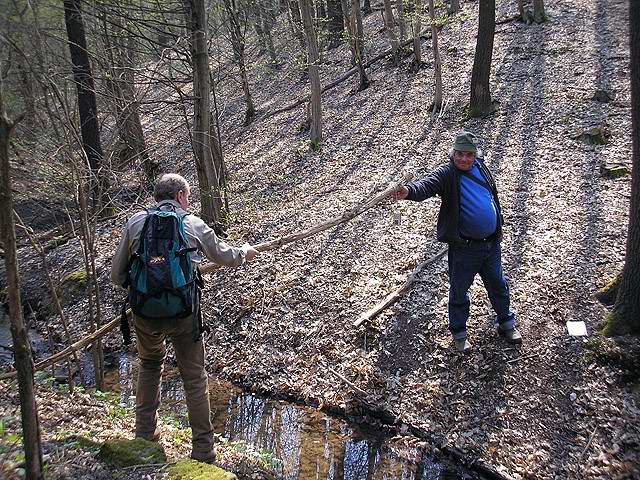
(168, 185)
(479, 153)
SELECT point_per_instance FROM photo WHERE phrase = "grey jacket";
(199, 234)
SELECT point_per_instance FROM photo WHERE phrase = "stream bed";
(307, 444)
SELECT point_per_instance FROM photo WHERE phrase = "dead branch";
(345, 217)
(83, 342)
(339, 80)
(394, 296)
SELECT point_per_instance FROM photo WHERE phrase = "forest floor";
(555, 407)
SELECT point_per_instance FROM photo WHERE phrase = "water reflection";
(38, 344)
(308, 444)
(6, 356)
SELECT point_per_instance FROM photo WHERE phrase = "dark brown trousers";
(190, 357)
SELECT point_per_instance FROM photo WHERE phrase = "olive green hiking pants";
(151, 337)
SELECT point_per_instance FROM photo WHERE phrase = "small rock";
(573, 397)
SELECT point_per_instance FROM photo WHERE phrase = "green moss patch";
(82, 442)
(78, 277)
(193, 470)
(596, 135)
(125, 453)
(614, 171)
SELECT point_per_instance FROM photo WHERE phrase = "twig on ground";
(394, 296)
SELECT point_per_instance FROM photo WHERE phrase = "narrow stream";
(308, 444)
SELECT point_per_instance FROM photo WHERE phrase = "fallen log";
(345, 217)
(339, 80)
(83, 342)
(394, 296)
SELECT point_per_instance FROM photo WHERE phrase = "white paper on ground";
(577, 329)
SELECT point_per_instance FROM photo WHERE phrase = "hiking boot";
(154, 437)
(462, 345)
(204, 458)
(512, 335)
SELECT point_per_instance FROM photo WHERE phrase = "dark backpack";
(162, 281)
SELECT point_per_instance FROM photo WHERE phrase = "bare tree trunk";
(321, 11)
(625, 316)
(336, 22)
(314, 75)
(454, 7)
(296, 21)
(417, 26)
(209, 173)
(480, 103)
(83, 79)
(437, 70)
(238, 45)
(401, 19)
(521, 9)
(28, 95)
(268, 22)
(389, 26)
(356, 40)
(124, 102)
(21, 347)
(538, 11)
(88, 251)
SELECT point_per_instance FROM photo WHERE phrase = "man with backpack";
(157, 261)
(470, 221)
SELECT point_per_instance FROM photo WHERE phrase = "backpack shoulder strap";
(143, 232)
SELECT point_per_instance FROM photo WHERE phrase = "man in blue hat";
(469, 221)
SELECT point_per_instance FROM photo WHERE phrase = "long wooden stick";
(345, 217)
(394, 296)
(83, 342)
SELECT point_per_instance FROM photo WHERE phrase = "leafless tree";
(314, 75)
(21, 348)
(480, 103)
